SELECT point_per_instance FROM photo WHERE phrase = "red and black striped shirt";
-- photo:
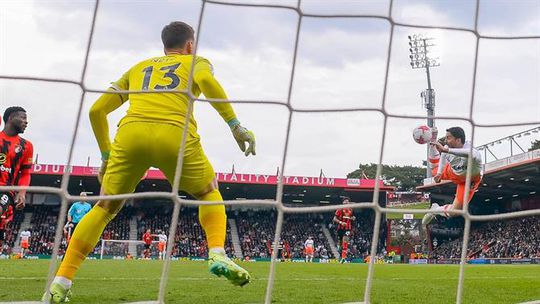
(15, 160)
(344, 215)
(6, 217)
(147, 238)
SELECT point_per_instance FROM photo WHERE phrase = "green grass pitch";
(116, 281)
(419, 205)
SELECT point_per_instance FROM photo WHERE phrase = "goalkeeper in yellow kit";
(150, 136)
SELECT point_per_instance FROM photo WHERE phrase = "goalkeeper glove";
(243, 135)
(103, 168)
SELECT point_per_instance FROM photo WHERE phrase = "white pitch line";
(264, 279)
(22, 302)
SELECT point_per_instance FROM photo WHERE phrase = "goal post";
(120, 248)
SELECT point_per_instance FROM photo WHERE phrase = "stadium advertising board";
(490, 261)
(242, 178)
(418, 261)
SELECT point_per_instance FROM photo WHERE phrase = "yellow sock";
(213, 220)
(83, 241)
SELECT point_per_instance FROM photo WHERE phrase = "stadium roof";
(297, 189)
(511, 178)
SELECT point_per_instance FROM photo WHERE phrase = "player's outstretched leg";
(344, 252)
(445, 209)
(83, 241)
(214, 222)
(428, 217)
(434, 134)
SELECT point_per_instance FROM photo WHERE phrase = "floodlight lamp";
(411, 56)
(409, 37)
(411, 50)
(412, 64)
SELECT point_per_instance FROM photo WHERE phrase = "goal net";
(118, 249)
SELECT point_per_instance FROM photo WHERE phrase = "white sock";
(434, 157)
(65, 282)
(218, 250)
(445, 208)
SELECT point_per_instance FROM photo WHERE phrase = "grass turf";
(419, 205)
(116, 281)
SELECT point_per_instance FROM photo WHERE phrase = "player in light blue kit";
(75, 214)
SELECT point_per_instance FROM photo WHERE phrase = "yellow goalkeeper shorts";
(141, 145)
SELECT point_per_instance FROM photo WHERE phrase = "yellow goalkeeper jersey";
(169, 72)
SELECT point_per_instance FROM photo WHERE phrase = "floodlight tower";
(419, 48)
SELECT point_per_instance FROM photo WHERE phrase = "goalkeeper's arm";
(211, 88)
(105, 104)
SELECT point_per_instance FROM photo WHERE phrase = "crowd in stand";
(189, 238)
(43, 228)
(362, 234)
(257, 229)
(515, 238)
(118, 229)
(296, 229)
(11, 233)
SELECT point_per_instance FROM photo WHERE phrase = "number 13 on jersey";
(169, 75)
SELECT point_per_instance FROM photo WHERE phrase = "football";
(422, 134)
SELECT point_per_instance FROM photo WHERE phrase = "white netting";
(277, 203)
(119, 249)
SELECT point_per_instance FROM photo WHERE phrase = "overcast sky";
(341, 64)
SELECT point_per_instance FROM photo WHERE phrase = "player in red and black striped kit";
(343, 219)
(147, 238)
(5, 219)
(15, 158)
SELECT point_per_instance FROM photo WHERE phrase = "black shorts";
(2, 235)
(340, 234)
(6, 199)
(147, 246)
(72, 228)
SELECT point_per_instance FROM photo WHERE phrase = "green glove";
(243, 135)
